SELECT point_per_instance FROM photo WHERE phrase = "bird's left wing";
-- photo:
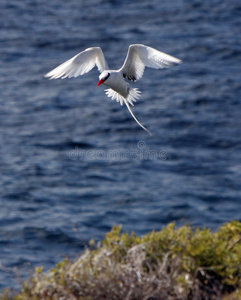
(80, 64)
(141, 56)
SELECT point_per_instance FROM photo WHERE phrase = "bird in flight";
(138, 57)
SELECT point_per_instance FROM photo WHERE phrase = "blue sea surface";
(74, 163)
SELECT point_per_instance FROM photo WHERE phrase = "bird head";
(103, 77)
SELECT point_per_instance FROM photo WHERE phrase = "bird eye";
(107, 76)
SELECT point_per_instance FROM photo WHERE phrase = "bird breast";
(117, 83)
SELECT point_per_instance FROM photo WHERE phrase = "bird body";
(138, 57)
(117, 83)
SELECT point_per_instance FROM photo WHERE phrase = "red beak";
(100, 82)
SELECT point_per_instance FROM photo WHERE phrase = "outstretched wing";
(80, 64)
(141, 56)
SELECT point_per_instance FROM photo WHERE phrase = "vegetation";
(174, 263)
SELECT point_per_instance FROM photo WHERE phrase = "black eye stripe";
(107, 76)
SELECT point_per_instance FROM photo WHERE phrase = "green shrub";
(174, 263)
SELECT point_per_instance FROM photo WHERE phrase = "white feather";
(134, 94)
(141, 56)
(80, 64)
(138, 122)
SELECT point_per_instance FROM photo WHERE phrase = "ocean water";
(74, 163)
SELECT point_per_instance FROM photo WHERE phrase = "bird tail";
(133, 95)
(138, 122)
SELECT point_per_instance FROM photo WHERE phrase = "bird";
(138, 57)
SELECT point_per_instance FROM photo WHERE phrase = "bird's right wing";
(141, 56)
(80, 64)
